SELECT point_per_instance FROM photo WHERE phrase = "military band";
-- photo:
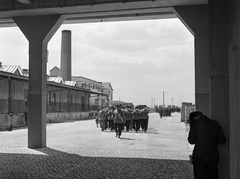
(119, 118)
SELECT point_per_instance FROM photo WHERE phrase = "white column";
(38, 30)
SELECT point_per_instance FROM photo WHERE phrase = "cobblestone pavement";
(161, 153)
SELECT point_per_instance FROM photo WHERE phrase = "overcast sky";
(141, 59)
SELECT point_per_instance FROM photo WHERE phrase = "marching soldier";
(111, 118)
(136, 119)
(161, 113)
(118, 121)
(144, 119)
(128, 118)
(102, 118)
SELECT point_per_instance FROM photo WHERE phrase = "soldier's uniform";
(102, 118)
(128, 118)
(111, 118)
(144, 119)
(118, 121)
(136, 119)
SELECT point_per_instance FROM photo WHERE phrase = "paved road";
(78, 149)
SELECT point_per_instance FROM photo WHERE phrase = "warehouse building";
(66, 100)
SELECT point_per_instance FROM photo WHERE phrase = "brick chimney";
(66, 64)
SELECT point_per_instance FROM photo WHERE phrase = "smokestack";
(66, 64)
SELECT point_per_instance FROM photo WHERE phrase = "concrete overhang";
(25, 1)
(95, 10)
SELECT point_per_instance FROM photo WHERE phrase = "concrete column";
(219, 77)
(38, 30)
(234, 88)
(195, 19)
(66, 56)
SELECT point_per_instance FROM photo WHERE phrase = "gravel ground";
(161, 153)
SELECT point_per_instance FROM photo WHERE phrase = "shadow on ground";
(56, 164)
(149, 131)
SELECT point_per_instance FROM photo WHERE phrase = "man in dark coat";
(206, 134)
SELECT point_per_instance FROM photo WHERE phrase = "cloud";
(133, 36)
(139, 58)
(11, 52)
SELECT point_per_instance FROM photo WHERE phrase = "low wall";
(65, 116)
(16, 120)
(19, 119)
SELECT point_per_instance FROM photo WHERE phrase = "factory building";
(68, 97)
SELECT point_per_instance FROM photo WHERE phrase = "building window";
(49, 99)
(71, 99)
(54, 99)
(26, 97)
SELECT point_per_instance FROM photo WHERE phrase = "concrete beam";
(38, 30)
(93, 14)
(25, 1)
(86, 11)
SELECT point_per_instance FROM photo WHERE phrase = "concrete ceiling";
(80, 11)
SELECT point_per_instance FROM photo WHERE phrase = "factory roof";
(70, 83)
(56, 80)
(15, 69)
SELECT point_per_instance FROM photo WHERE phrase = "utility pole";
(164, 99)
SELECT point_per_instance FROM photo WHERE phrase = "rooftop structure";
(15, 69)
(56, 79)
